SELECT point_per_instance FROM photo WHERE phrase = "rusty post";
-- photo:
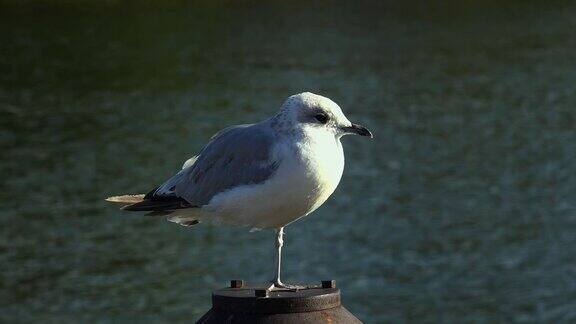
(242, 303)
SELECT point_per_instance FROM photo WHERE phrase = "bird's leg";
(279, 244)
(277, 283)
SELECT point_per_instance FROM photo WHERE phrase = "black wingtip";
(158, 205)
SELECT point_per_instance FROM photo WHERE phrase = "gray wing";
(236, 156)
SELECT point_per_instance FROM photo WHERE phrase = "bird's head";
(311, 110)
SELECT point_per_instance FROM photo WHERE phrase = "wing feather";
(236, 156)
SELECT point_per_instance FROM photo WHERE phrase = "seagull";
(262, 176)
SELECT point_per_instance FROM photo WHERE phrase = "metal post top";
(255, 299)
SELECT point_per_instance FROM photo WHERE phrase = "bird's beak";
(358, 130)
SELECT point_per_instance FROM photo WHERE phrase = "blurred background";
(462, 209)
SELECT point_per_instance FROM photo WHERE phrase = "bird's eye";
(322, 118)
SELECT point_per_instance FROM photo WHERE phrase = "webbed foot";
(279, 285)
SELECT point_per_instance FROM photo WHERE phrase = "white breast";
(308, 174)
(323, 157)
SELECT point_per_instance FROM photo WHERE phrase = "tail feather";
(126, 199)
(175, 209)
(141, 203)
(186, 221)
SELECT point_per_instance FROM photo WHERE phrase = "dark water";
(462, 209)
